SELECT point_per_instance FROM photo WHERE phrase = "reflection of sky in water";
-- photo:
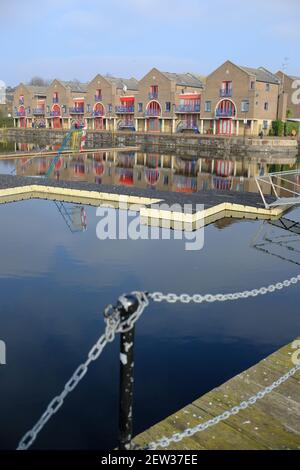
(54, 286)
(7, 167)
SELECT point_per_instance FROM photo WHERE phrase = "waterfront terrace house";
(111, 103)
(29, 106)
(240, 100)
(290, 87)
(168, 102)
(65, 104)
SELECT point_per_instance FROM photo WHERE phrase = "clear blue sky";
(76, 39)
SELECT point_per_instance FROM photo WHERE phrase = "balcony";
(124, 109)
(153, 95)
(20, 114)
(126, 125)
(187, 108)
(55, 113)
(98, 113)
(98, 98)
(55, 100)
(226, 113)
(38, 111)
(76, 110)
(153, 113)
(225, 92)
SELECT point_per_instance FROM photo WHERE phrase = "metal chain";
(177, 437)
(198, 298)
(114, 325)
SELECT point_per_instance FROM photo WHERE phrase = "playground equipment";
(73, 215)
(74, 138)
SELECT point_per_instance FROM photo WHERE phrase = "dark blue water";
(55, 284)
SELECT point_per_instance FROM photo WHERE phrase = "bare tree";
(38, 81)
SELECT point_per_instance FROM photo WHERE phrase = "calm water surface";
(54, 285)
(149, 170)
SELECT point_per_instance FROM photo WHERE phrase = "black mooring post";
(126, 374)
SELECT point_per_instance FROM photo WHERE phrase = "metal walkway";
(283, 244)
(284, 185)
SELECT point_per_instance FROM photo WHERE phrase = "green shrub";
(6, 122)
(278, 128)
(271, 132)
(291, 128)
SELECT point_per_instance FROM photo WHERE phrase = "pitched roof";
(130, 83)
(293, 77)
(75, 86)
(37, 90)
(184, 79)
(261, 74)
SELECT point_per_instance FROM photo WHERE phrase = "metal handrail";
(268, 179)
(279, 173)
(224, 92)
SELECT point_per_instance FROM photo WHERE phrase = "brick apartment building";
(234, 100)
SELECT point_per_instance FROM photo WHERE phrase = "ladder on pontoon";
(73, 215)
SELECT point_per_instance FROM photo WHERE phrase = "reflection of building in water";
(154, 170)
